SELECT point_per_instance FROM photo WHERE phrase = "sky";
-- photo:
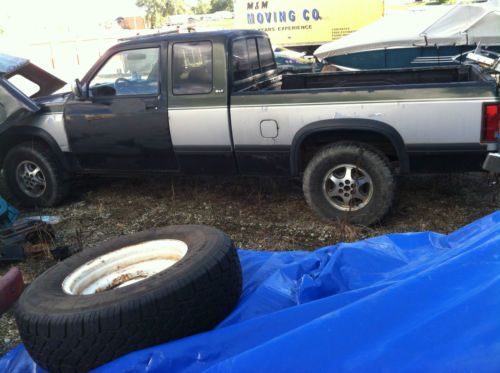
(27, 16)
(36, 16)
(30, 24)
(62, 13)
(88, 9)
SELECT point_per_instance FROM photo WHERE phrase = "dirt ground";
(258, 213)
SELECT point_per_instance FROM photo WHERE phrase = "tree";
(158, 10)
(218, 5)
(155, 11)
(175, 7)
(202, 7)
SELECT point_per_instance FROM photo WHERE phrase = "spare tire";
(127, 294)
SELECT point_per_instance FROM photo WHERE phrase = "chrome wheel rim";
(31, 179)
(348, 188)
(124, 267)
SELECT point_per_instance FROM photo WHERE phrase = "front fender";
(18, 134)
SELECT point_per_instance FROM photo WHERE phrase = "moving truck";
(305, 25)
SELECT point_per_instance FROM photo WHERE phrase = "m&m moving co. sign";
(296, 22)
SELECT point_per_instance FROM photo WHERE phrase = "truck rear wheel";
(34, 176)
(349, 182)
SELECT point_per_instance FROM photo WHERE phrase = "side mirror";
(77, 89)
(103, 91)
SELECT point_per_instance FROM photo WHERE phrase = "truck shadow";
(262, 213)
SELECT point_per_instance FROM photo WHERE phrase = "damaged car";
(25, 89)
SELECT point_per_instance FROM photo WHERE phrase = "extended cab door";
(255, 128)
(123, 124)
(198, 107)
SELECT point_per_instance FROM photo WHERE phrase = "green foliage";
(217, 5)
(155, 11)
(175, 7)
(158, 10)
(202, 7)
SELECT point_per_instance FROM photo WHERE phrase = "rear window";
(241, 64)
(253, 56)
(192, 68)
(265, 54)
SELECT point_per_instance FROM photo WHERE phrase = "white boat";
(423, 36)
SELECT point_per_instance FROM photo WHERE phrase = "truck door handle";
(151, 106)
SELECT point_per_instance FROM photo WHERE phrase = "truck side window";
(241, 63)
(130, 72)
(265, 54)
(192, 68)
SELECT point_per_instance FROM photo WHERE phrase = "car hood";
(12, 100)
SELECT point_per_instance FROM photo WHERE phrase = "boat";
(421, 37)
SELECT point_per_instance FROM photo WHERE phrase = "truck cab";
(161, 103)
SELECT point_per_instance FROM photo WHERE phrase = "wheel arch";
(350, 129)
(17, 135)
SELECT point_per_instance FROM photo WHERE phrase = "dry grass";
(259, 214)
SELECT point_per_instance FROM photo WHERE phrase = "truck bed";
(435, 75)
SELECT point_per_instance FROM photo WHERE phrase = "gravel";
(258, 213)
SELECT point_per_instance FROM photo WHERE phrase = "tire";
(364, 198)
(36, 156)
(75, 333)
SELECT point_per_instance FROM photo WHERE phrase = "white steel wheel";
(124, 266)
(129, 293)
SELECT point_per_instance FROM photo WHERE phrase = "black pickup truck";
(214, 103)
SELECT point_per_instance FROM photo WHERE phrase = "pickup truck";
(214, 103)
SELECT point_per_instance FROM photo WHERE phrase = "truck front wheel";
(349, 182)
(34, 176)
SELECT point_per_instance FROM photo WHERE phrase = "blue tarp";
(416, 302)
(8, 214)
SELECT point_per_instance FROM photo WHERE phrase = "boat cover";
(415, 302)
(422, 26)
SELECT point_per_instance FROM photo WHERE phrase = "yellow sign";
(296, 22)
